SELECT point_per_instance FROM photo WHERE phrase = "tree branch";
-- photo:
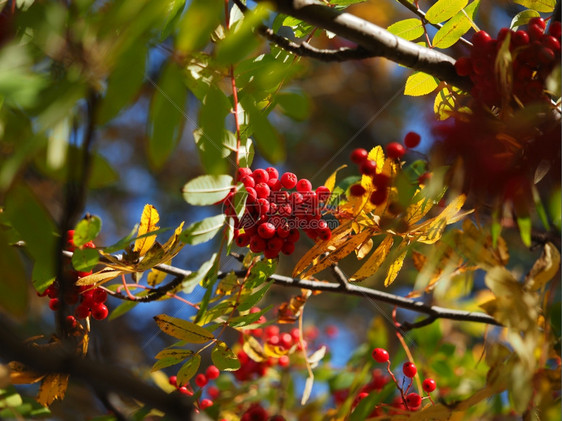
(378, 41)
(97, 375)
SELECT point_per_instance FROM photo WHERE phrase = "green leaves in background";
(224, 358)
(13, 288)
(166, 114)
(444, 10)
(207, 189)
(189, 283)
(409, 29)
(14, 406)
(199, 21)
(294, 104)
(456, 27)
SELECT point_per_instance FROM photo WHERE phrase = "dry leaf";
(544, 269)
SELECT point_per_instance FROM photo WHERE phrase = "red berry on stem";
(540, 22)
(289, 180)
(248, 181)
(242, 172)
(368, 167)
(212, 372)
(378, 197)
(380, 355)
(173, 380)
(266, 230)
(409, 369)
(71, 322)
(463, 66)
(185, 391)
(412, 139)
(323, 193)
(275, 244)
(288, 248)
(257, 244)
(555, 29)
(272, 172)
(357, 190)
(201, 380)
(262, 190)
(395, 150)
(213, 392)
(359, 155)
(99, 311)
(414, 401)
(260, 175)
(82, 311)
(429, 385)
(54, 304)
(303, 185)
(99, 295)
(480, 39)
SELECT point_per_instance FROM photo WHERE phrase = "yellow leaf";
(341, 250)
(148, 222)
(253, 349)
(396, 265)
(373, 263)
(104, 275)
(274, 351)
(477, 246)
(155, 277)
(431, 230)
(364, 249)
(544, 268)
(153, 256)
(182, 329)
(420, 83)
(174, 245)
(22, 374)
(330, 183)
(418, 210)
(52, 387)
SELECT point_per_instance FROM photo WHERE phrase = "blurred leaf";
(396, 265)
(544, 269)
(169, 357)
(122, 308)
(254, 298)
(148, 223)
(525, 227)
(188, 370)
(13, 288)
(543, 6)
(182, 329)
(224, 358)
(373, 263)
(444, 10)
(523, 18)
(204, 230)
(166, 114)
(124, 82)
(196, 278)
(365, 407)
(86, 230)
(84, 260)
(246, 153)
(409, 29)
(331, 180)
(207, 189)
(58, 144)
(198, 22)
(293, 104)
(420, 83)
(35, 226)
(456, 27)
(52, 387)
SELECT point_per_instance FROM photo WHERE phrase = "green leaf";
(248, 319)
(35, 226)
(188, 370)
(13, 287)
(204, 230)
(365, 407)
(169, 357)
(86, 230)
(182, 329)
(246, 153)
(189, 283)
(123, 84)
(267, 139)
(444, 10)
(166, 114)
(254, 298)
(295, 105)
(523, 18)
(409, 29)
(207, 189)
(84, 260)
(456, 27)
(544, 6)
(199, 21)
(122, 308)
(525, 226)
(224, 358)
(420, 83)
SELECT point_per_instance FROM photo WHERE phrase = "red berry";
(52, 291)
(412, 139)
(262, 190)
(82, 311)
(555, 29)
(286, 340)
(201, 380)
(274, 184)
(551, 43)
(242, 172)
(359, 155)
(414, 401)
(395, 150)
(538, 22)
(248, 181)
(99, 311)
(212, 372)
(243, 240)
(266, 230)
(429, 385)
(71, 322)
(252, 194)
(535, 32)
(323, 193)
(294, 235)
(480, 39)
(357, 190)
(213, 392)
(275, 244)
(54, 304)
(409, 369)
(272, 172)
(173, 380)
(289, 180)
(381, 181)
(257, 244)
(424, 178)
(368, 167)
(520, 38)
(270, 254)
(325, 234)
(303, 185)
(463, 66)
(378, 197)
(288, 248)
(380, 355)
(260, 175)
(284, 361)
(331, 331)
(99, 295)
(264, 205)
(185, 391)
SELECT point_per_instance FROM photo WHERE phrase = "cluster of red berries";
(274, 213)
(535, 53)
(360, 156)
(90, 301)
(201, 380)
(377, 383)
(409, 401)
(256, 412)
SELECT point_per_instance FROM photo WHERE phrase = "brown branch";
(378, 41)
(93, 373)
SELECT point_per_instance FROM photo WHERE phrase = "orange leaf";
(22, 374)
(148, 222)
(396, 265)
(53, 387)
(373, 263)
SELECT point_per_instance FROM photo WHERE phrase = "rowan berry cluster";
(406, 401)
(368, 167)
(534, 54)
(91, 302)
(201, 380)
(277, 207)
(258, 413)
